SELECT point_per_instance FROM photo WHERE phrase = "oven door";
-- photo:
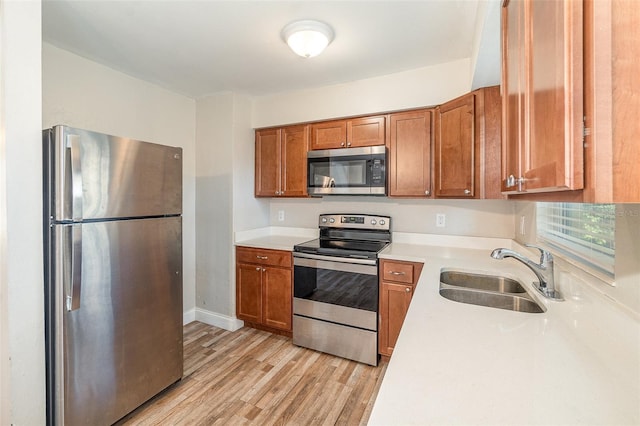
(335, 306)
(336, 289)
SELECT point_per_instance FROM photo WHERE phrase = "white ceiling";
(202, 47)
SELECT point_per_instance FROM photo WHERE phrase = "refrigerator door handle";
(75, 283)
(73, 144)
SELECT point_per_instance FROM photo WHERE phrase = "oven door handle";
(335, 258)
(357, 266)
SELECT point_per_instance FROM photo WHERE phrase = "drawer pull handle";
(396, 273)
(262, 257)
(408, 290)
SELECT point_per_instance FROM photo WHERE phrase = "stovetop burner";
(355, 236)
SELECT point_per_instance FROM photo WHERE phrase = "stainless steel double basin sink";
(487, 290)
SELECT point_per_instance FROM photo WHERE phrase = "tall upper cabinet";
(467, 146)
(570, 103)
(409, 162)
(542, 96)
(281, 162)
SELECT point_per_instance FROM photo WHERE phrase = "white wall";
(84, 94)
(478, 218)
(22, 304)
(410, 89)
(225, 202)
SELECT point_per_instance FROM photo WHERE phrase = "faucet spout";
(542, 270)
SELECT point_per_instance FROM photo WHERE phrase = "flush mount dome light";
(307, 38)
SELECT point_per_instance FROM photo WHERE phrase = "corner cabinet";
(542, 80)
(467, 146)
(398, 281)
(350, 133)
(409, 161)
(264, 290)
(281, 162)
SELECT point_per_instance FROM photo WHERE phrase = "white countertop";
(276, 238)
(455, 363)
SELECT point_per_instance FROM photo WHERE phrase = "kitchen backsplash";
(478, 218)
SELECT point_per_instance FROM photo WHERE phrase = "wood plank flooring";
(253, 377)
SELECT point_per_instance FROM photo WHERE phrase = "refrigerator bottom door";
(123, 343)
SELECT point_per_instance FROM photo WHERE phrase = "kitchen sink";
(481, 282)
(487, 290)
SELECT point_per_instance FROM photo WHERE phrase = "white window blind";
(585, 232)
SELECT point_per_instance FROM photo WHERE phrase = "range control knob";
(332, 220)
(373, 221)
(382, 222)
(323, 220)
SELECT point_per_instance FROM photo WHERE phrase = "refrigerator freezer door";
(97, 176)
(121, 343)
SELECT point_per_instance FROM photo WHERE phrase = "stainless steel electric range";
(335, 286)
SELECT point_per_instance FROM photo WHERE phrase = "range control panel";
(355, 221)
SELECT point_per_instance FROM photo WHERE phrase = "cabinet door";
(553, 156)
(249, 292)
(543, 103)
(455, 149)
(295, 142)
(366, 131)
(277, 297)
(328, 135)
(513, 84)
(268, 164)
(394, 304)
(409, 164)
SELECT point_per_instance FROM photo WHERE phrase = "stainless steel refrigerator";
(113, 273)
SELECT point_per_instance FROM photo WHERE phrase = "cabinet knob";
(467, 191)
(341, 143)
(396, 272)
(407, 290)
(427, 192)
(348, 143)
(258, 269)
(264, 270)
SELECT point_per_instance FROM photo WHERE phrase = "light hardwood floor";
(258, 378)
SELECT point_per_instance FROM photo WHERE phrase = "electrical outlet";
(440, 220)
(280, 215)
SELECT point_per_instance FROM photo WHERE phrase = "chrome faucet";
(543, 270)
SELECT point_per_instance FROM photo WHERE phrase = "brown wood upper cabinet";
(409, 161)
(281, 162)
(351, 133)
(467, 146)
(542, 80)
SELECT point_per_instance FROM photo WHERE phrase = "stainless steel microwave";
(348, 171)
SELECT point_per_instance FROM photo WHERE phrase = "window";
(584, 232)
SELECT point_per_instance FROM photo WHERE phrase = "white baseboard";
(188, 316)
(213, 318)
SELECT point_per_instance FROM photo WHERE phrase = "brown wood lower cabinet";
(398, 281)
(264, 288)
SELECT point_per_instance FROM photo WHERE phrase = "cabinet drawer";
(400, 272)
(263, 256)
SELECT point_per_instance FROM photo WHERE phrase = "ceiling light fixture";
(307, 38)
